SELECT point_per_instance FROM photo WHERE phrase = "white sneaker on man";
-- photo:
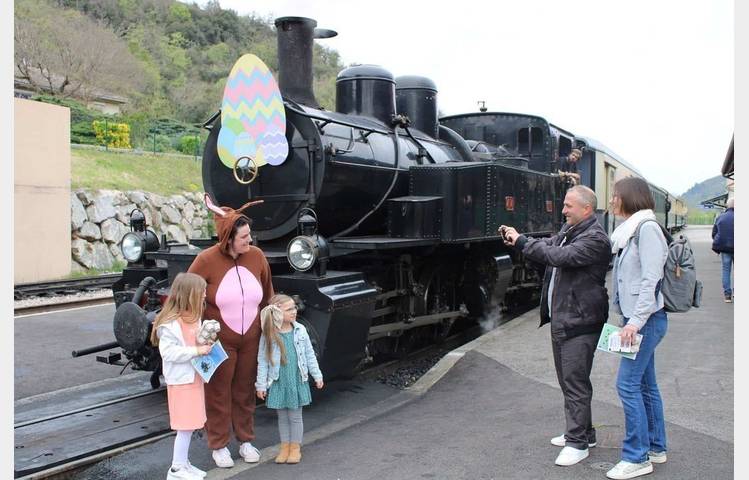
(180, 472)
(249, 453)
(222, 457)
(570, 456)
(626, 470)
(561, 442)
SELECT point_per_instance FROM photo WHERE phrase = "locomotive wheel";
(243, 174)
(439, 295)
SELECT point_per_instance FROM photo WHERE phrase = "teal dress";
(289, 391)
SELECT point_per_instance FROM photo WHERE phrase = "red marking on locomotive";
(510, 203)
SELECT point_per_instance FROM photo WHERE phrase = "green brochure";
(609, 341)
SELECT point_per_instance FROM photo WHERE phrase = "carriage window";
(530, 140)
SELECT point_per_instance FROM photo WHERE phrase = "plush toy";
(208, 332)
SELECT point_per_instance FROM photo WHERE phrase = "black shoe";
(729, 298)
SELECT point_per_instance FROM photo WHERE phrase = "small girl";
(174, 332)
(284, 362)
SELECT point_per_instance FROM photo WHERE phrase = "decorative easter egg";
(253, 118)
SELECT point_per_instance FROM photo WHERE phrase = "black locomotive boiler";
(381, 223)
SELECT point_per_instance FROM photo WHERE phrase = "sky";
(651, 80)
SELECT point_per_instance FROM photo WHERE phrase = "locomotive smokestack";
(295, 36)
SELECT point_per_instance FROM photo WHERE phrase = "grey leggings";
(290, 424)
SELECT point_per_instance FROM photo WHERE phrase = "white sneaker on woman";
(657, 457)
(626, 470)
(249, 453)
(222, 457)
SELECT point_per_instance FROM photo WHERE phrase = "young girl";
(284, 362)
(174, 332)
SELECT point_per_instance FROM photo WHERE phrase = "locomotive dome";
(367, 90)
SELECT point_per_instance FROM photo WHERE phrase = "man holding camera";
(575, 301)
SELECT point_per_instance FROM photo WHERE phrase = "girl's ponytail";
(271, 318)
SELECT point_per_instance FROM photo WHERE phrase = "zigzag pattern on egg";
(253, 119)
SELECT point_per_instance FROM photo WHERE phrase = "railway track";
(56, 444)
(64, 287)
(51, 445)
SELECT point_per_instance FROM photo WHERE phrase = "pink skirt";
(186, 405)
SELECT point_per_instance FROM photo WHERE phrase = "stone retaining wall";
(99, 219)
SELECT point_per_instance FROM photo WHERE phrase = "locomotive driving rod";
(98, 348)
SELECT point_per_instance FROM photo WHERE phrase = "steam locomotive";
(382, 222)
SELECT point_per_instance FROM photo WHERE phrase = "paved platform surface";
(488, 409)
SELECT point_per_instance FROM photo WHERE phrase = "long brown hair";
(185, 298)
(267, 315)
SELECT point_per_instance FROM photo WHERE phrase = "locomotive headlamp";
(308, 249)
(302, 252)
(138, 241)
(132, 247)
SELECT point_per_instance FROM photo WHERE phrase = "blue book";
(206, 365)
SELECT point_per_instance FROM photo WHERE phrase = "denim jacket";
(638, 271)
(267, 373)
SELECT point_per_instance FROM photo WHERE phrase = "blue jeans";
(727, 260)
(645, 428)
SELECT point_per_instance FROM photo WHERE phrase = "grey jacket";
(638, 270)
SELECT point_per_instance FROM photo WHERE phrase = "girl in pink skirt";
(174, 332)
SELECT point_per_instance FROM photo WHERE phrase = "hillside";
(712, 187)
(169, 59)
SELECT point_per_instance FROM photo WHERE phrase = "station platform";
(489, 409)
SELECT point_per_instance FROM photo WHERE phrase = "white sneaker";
(625, 470)
(657, 457)
(180, 472)
(222, 457)
(561, 442)
(195, 470)
(249, 453)
(570, 456)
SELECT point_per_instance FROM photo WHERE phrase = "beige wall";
(41, 201)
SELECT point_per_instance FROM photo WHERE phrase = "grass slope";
(161, 174)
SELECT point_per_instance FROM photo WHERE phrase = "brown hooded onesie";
(236, 292)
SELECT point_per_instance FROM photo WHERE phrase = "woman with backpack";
(640, 250)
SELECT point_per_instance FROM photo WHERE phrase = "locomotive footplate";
(382, 243)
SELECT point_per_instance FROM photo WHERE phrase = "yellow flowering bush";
(116, 135)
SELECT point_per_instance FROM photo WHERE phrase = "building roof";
(96, 94)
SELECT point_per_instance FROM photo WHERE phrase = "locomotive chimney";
(295, 36)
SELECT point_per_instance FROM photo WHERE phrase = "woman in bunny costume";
(239, 285)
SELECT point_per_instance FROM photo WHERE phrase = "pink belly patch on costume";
(237, 297)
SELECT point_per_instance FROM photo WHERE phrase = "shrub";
(116, 135)
(189, 144)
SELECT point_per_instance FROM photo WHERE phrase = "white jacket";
(175, 355)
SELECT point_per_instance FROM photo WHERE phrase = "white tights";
(181, 447)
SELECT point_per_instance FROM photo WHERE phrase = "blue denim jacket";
(305, 354)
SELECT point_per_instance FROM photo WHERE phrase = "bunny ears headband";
(224, 211)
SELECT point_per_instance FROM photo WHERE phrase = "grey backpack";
(680, 288)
